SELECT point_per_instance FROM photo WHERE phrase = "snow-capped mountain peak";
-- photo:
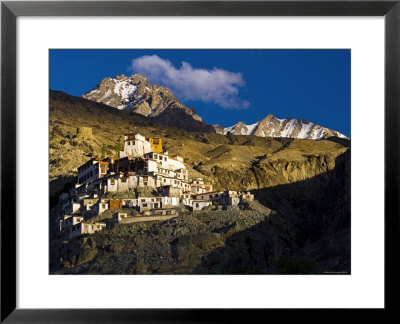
(135, 93)
(271, 126)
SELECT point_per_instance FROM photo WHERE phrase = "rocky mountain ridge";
(135, 93)
(271, 126)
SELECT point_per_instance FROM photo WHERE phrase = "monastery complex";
(144, 180)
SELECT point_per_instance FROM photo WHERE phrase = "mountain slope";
(271, 126)
(241, 163)
(303, 186)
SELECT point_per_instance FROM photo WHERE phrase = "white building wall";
(168, 202)
(90, 172)
(118, 216)
(133, 203)
(148, 203)
(124, 184)
(112, 184)
(71, 208)
(187, 201)
(85, 228)
(136, 147)
(199, 205)
(151, 166)
(175, 164)
(146, 181)
(69, 221)
(209, 196)
(100, 207)
(166, 162)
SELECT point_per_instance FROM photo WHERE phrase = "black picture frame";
(10, 10)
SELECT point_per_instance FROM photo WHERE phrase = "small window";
(144, 205)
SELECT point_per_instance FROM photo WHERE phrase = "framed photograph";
(196, 160)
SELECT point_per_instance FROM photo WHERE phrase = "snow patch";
(289, 128)
(318, 134)
(124, 89)
(306, 130)
(251, 128)
(107, 94)
(228, 129)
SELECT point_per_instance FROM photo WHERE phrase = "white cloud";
(215, 85)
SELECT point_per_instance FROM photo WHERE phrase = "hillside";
(228, 161)
(303, 187)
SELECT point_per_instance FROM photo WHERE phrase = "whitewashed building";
(247, 195)
(69, 220)
(117, 217)
(213, 196)
(198, 186)
(85, 228)
(121, 183)
(100, 207)
(229, 198)
(200, 204)
(148, 203)
(168, 202)
(164, 161)
(71, 207)
(92, 170)
(135, 145)
(88, 203)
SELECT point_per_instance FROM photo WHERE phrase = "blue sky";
(225, 86)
